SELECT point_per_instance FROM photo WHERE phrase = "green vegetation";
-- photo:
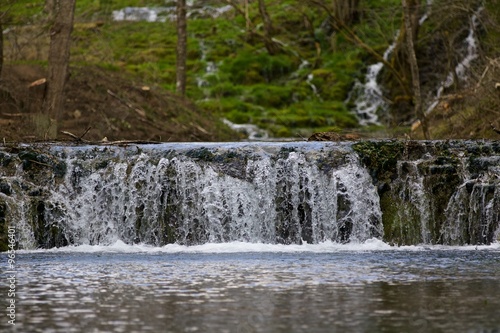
(298, 90)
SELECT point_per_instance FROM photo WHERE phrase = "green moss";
(380, 157)
(250, 67)
(202, 154)
(269, 95)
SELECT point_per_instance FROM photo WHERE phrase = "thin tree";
(408, 14)
(181, 47)
(60, 35)
(50, 7)
(271, 46)
(4, 10)
(2, 15)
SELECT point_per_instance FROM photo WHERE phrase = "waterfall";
(439, 192)
(368, 97)
(253, 132)
(477, 220)
(163, 14)
(435, 192)
(211, 69)
(283, 193)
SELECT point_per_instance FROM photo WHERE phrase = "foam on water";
(370, 245)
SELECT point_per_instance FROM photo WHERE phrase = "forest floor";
(110, 105)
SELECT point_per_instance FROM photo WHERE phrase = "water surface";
(259, 288)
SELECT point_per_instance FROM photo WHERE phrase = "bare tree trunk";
(345, 10)
(268, 24)
(409, 22)
(181, 47)
(60, 34)
(50, 8)
(1, 42)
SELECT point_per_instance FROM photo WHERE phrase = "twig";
(127, 142)
(496, 130)
(86, 131)
(77, 138)
(40, 163)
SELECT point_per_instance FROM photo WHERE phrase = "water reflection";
(441, 291)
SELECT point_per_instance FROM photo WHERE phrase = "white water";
(413, 194)
(210, 67)
(163, 14)
(372, 244)
(476, 193)
(306, 193)
(368, 96)
(253, 132)
(266, 199)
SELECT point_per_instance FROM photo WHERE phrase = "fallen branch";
(140, 112)
(78, 138)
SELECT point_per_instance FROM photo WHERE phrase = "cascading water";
(368, 97)
(412, 200)
(279, 193)
(192, 195)
(167, 13)
(478, 219)
(438, 192)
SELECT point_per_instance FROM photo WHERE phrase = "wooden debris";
(37, 83)
(12, 114)
(496, 130)
(415, 125)
(78, 138)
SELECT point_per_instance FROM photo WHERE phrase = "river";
(241, 287)
(252, 237)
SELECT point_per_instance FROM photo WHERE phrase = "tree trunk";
(345, 10)
(268, 24)
(1, 43)
(409, 21)
(60, 34)
(181, 47)
(50, 8)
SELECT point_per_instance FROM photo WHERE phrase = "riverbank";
(103, 105)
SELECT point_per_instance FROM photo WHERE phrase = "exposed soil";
(111, 105)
